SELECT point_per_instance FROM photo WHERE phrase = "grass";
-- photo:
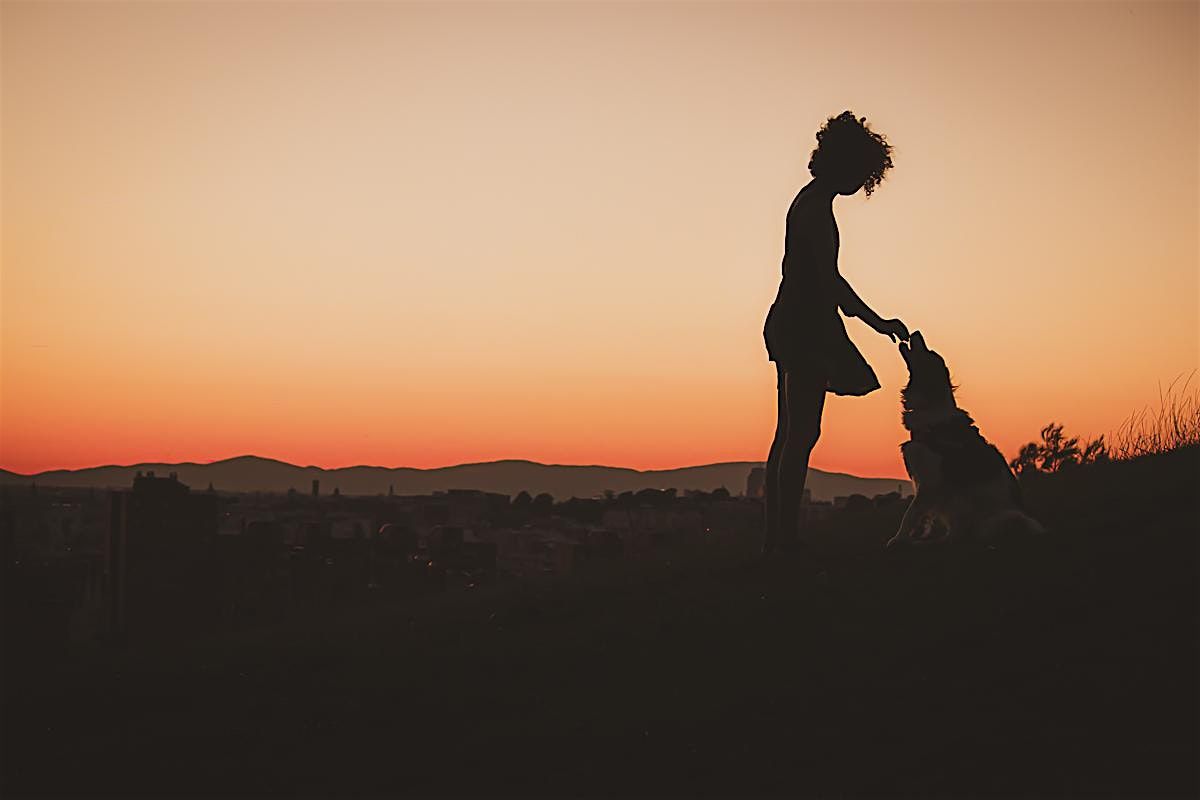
(1174, 424)
(1053, 666)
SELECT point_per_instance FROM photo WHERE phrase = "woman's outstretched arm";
(854, 306)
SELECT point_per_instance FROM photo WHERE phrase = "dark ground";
(1058, 666)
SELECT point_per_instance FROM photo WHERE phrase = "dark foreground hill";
(563, 481)
(1058, 666)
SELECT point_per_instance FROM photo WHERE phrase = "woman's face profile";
(850, 185)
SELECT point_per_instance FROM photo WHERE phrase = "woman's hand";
(893, 328)
(853, 306)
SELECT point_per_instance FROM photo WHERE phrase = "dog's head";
(929, 383)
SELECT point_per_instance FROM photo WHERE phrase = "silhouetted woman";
(804, 334)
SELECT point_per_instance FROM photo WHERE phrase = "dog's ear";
(905, 352)
(918, 341)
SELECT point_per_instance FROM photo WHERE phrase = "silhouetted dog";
(961, 480)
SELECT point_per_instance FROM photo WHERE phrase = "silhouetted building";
(756, 482)
(160, 556)
(531, 551)
(817, 509)
(854, 502)
(886, 500)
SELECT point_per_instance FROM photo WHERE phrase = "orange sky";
(418, 235)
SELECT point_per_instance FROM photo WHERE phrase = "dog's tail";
(1010, 521)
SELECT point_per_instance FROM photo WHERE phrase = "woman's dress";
(803, 330)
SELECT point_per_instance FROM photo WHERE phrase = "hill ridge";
(248, 472)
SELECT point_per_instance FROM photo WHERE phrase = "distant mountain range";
(252, 473)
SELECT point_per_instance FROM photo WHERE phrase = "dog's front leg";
(925, 468)
(914, 516)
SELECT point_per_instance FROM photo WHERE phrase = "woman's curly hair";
(847, 147)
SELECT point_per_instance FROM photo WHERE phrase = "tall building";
(160, 557)
(756, 482)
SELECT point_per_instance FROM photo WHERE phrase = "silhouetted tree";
(720, 493)
(1057, 452)
(582, 509)
(522, 500)
(1026, 460)
(543, 502)
(857, 502)
(654, 496)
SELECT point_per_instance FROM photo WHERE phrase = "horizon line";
(427, 469)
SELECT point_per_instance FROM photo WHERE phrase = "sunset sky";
(423, 234)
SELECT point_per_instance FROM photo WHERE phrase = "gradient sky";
(418, 235)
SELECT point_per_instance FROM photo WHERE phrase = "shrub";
(1057, 452)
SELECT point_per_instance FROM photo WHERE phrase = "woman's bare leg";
(771, 478)
(805, 401)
